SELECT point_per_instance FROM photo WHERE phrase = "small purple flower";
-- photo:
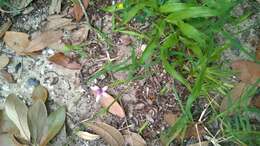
(99, 92)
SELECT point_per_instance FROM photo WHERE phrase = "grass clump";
(183, 38)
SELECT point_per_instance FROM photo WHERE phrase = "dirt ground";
(142, 100)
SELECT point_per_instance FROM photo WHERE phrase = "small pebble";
(33, 82)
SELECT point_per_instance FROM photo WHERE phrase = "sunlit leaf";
(40, 93)
(87, 136)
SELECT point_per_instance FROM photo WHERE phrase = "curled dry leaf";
(110, 134)
(134, 139)
(65, 61)
(107, 101)
(203, 143)
(77, 10)
(249, 71)
(5, 27)
(87, 136)
(44, 40)
(40, 93)
(7, 76)
(17, 112)
(4, 60)
(17, 41)
(170, 118)
(235, 94)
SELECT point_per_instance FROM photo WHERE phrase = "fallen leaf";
(57, 22)
(235, 94)
(203, 143)
(107, 101)
(55, 122)
(6, 126)
(55, 7)
(134, 139)
(192, 132)
(17, 111)
(125, 40)
(4, 60)
(249, 71)
(61, 59)
(87, 136)
(255, 101)
(110, 134)
(40, 93)
(7, 76)
(170, 118)
(5, 27)
(17, 41)
(44, 40)
(37, 117)
(78, 13)
(257, 51)
(80, 35)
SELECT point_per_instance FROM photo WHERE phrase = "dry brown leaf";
(4, 60)
(249, 71)
(57, 21)
(87, 136)
(258, 51)
(7, 76)
(125, 40)
(5, 27)
(192, 132)
(170, 118)
(44, 40)
(134, 139)
(235, 94)
(115, 108)
(17, 41)
(80, 35)
(77, 10)
(256, 101)
(110, 134)
(40, 93)
(203, 143)
(61, 59)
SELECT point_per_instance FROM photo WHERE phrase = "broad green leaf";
(169, 7)
(192, 12)
(168, 43)
(132, 12)
(191, 32)
(16, 110)
(55, 122)
(37, 116)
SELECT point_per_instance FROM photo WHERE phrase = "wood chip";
(170, 118)
(55, 7)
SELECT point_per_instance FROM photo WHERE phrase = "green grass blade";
(168, 43)
(149, 49)
(169, 7)
(192, 12)
(132, 13)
